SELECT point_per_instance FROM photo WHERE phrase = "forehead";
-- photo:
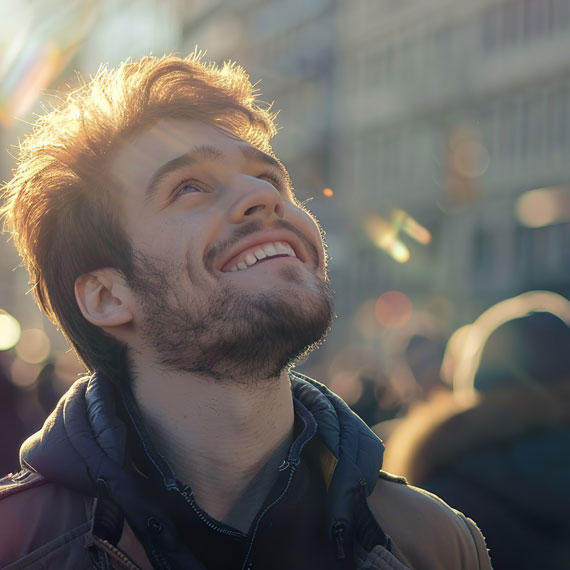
(144, 152)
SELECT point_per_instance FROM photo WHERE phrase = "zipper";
(189, 498)
(115, 553)
(338, 534)
(247, 563)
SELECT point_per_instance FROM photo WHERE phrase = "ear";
(104, 297)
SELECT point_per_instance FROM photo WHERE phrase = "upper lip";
(263, 238)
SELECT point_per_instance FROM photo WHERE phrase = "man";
(163, 237)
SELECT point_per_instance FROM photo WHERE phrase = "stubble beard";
(232, 335)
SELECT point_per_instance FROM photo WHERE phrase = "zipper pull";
(338, 532)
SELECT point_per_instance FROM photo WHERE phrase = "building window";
(534, 124)
(536, 17)
(511, 131)
(514, 21)
(491, 30)
(543, 256)
(558, 119)
(560, 14)
(484, 252)
(511, 22)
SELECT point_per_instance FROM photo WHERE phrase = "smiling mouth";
(262, 252)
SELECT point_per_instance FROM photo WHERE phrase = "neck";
(225, 440)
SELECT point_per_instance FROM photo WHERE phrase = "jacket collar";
(84, 442)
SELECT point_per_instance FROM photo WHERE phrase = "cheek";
(166, 249)
(310, 226)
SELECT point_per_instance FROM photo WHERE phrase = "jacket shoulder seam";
(12, 484)
(386, 476)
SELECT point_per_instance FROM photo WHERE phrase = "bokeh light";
(348, 385)
(23, 374)
(68, 369)
(469, 157)
(328, 192)
(34, 346)
(393, 309)
(10, 331)
(365, 321)
(544, 206)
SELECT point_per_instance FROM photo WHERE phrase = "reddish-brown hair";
(59, 205)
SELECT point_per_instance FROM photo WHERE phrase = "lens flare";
(384, 234)
(415, 230)
(35, 48)
(35, 69)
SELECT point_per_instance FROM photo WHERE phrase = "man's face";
(230, 278)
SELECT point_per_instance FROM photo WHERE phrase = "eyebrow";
(207, 153)
(255, 155)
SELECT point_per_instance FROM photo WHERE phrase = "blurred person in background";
(23, 408)
(414, 371)
(498, 448)
(13, 429)
(163, 236)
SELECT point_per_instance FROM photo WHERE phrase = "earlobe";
(103, 297)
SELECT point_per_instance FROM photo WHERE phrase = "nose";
(254, 198)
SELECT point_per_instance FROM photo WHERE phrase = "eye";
(189, 187)
(273, 178)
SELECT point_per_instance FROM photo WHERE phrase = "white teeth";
(250, 259)
(268, 250)
(281, 248)
(284, 248)
(260, 254)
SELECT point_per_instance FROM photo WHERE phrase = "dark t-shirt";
(289, 531)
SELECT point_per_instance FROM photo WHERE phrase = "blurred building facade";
(451, 111)
(448, 111)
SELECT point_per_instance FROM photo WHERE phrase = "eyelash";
(185, 183)
(274, 178)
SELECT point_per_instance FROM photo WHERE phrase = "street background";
(430, 137)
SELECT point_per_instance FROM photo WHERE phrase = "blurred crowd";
(482, 419)
(492, 437)
(24, 407)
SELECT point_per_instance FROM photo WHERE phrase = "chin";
(244, 338)
(235, 332)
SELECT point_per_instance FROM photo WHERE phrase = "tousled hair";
(59, 206)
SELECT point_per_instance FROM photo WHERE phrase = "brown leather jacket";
(46, 526)
(72, 516)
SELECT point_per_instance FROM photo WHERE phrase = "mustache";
(218, 249)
